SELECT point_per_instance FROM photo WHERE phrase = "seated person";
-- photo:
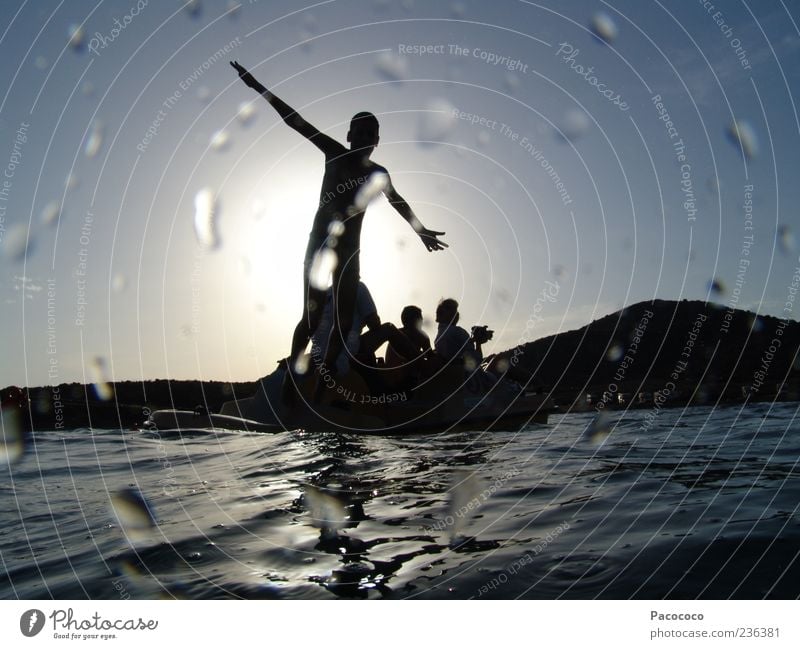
(358, 345)
(453, 342)
(411, 317)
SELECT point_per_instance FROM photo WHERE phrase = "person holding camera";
(453, 341)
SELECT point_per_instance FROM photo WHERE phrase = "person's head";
(411, 317)
(447, 312)
(363, 133)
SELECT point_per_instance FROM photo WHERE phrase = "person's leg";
(345, 289)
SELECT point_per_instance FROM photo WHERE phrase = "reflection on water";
(704, 504)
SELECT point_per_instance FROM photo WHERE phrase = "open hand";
(249, 80)
(429, 239)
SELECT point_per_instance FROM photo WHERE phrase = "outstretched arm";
(428, 237)
(289, 115)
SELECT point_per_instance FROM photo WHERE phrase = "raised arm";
(289, 115)
(428, 237)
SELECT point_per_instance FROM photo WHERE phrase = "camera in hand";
(482, 334)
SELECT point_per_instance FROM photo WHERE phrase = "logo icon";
(31, 622)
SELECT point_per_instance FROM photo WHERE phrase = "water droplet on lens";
(322, 267)
(234, 8)
(391, 66)
(50, 213)
(512, 81)
(301, 364)
(785, 239)
(203, 93)
(246, 113)
(12, 439)
(132, 510)
(502, 365)
(484, 138)
(336, 228)
(205, 216)
(370, 190)
(604, 27)
(41, 62)
(94, 141)
(574, 124)
(76, 37)
(615, 353)
(16, 242)
(220, 141)
(119, 283)
(328, 513)
(742, 135)
(716, 287)
(193, 7)
(599, 428)
(87, 88)
(436, 122)
(97, 373)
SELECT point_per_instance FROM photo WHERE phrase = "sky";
(580, 156)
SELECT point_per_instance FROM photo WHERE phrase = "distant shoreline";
(651, 355)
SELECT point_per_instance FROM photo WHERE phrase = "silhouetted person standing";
(339, 217)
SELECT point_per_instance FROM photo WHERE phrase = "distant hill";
(724, 351)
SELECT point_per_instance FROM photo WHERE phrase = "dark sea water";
(703, 503)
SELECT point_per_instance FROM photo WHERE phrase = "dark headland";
(669, 353)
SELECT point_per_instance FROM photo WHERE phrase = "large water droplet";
(615, 352)
(16, 242)
(370, 190)
(463, 501)
(391, 66)
(603, 26)
(193, 7)
(336, 228)
(785, 239)
(41, 62)
(50, 213)
(599, 428)
(205, 208)
(220, 140)
(132, 510)
(97, 372)
(76, 37)
(12, 440)
(246, 113)
(716, 287)
(322, 268)
(94, 141)
(574, 124)
(742, 135)
(119, 283)
(436, 122)
(328, 513)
